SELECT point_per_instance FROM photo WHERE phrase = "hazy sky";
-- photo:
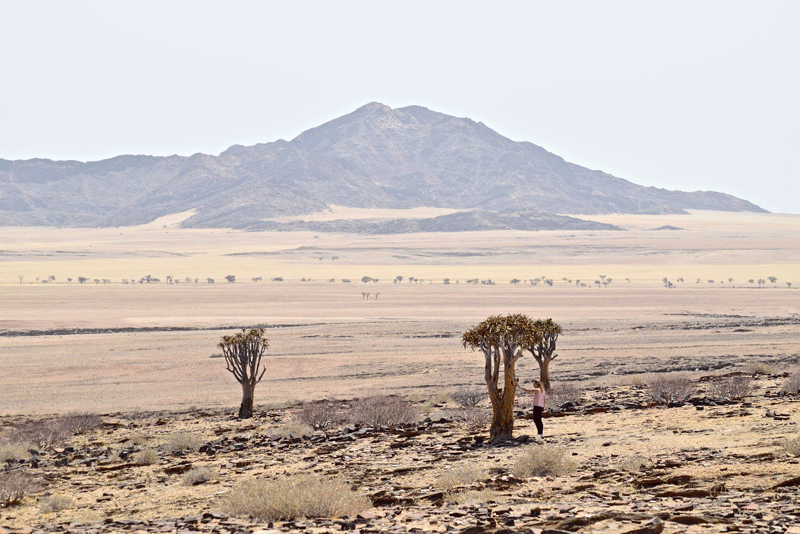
(681, 95)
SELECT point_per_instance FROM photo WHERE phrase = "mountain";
(374, 157)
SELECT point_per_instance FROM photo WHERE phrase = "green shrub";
(293, 498)
(541, 461)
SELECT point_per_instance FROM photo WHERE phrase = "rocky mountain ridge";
(374, 157)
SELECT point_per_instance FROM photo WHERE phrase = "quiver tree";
(242, 354)
(502, 340)
(544, 349)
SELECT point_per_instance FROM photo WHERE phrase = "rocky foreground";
(704, 465)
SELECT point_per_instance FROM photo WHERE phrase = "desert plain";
(703, 295)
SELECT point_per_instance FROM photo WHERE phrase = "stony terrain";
(706, 465)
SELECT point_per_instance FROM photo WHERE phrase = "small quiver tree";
(544, 349)
(242, 354)
(502, 340)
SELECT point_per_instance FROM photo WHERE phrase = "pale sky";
(687, 95)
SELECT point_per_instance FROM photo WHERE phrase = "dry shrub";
(670, 389)
(293, 498)
(758, 368)
(321, 415)
(792, 384)
(462, 497)
(385, 411)
(198, 475)
(15, 486)
(55, 503)
(49, 433)
(564, 392)
(541, 461)
(468, 398)
(146, 456)
(14, 451)
(182, 441)
(475, 418)
(459, 477)
(731, 387)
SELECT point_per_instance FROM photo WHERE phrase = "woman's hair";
(537, 384)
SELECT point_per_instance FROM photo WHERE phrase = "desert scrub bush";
(384, 411)
(198, 475)
(15, 486)
(633, 463)
(541, 461)
(49, 433)
(55, 503)
(78, 422)
(146, 456)
(182, 441)
(670, 389)
(14, 451)
(459, 477)
(791, 445)
(468, 398)
(735, 387)
(321, 415)
(758, 368)
(791, 385)
(293, 498)
(474, 418)
(564, 392)
(461, 497)
(291, 430)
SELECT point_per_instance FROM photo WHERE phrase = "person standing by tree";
(538, 405)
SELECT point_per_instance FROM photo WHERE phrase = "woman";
(538, 405)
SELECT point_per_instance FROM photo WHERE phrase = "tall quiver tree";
(544, 350)
(242, 354)
(502, 340)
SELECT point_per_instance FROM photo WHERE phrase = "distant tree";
(210, 280)
(82, 279)
(188, 280)
(515, 281)
(761, 282)
(376, 296)
(502, 340)
(69, 279)
(21, 277)
(543, 348)
(278, 279)
(788, 284)
(752, 281)
(169, 278)
(398, 279)
(577, 282)
(730, 280)
(446, 281)
(256, 279)
(772, 279)
(680, 279)
(242, 353)
(231, 278)
(96, 280)
(366, 279)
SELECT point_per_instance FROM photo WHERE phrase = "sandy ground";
(106, 345)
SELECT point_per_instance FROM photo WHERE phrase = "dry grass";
(758, 368)
(55, 503)
(791, 445)
(462, 497)
(49, 433)
(293, 498)
(182, 441)
(198, 475)
(542, 461)
(146, 456)
(292, 430)
(384, 411)
(670, 389)
(459, 477)
(475, 418)
(14, 451)
(633, 463)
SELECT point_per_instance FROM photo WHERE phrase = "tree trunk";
(544, 373)
(502, 428)
(246, 408)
